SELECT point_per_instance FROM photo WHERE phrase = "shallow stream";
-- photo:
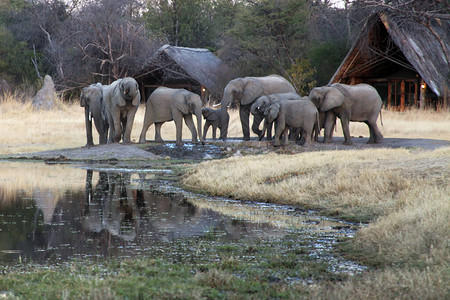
(55, 213)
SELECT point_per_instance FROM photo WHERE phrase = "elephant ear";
(181, 103)
(82, 99)
(208, 114)
(119, 93)
(137, 98)
(251, 91)
(272, 112)
(333, 98)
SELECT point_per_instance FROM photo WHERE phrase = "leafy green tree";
(188, 23)
(302, 75)
(270, 35)
(15, 59)
(325, 58)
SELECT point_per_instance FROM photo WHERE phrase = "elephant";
(122, 99)
(301, 114)
(356, 103)
(244, 91)
(213, 118)
(167, 104)
(262, 104)
(91, 98)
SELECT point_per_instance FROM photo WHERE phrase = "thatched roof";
(180, 63)
(424, 50)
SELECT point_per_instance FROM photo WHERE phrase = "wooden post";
(423, 88)
(389, 94)
(416, 93)
(402, 95)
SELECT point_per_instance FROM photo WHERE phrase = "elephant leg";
(278, 130)
(345, 122)
(294, 134)
(100, 126)
(123, 126)
(371, 133)
(104, 138)
(244, 114)
(158, 138)
(261, 135)
(129, 126)
(205, 130)
(88, 123)
(375, 134)
(224, 131)
(116, 126)
(285, 136)
(190, 124)
(257, 119)
(330, 120)
(111, 127)
(309, 136)
(179, 133)
(269, 131)
(214, 130)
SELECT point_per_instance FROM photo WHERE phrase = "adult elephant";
(167, 104)
(244, 91)
(91, 98)
(356, 103)
(122, 98)
(259, 107)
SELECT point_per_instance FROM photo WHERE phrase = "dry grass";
(353, 182)
(431, 283)
(405, 192)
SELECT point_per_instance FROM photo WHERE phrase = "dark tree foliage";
(268, 36)
(190, 23)
(15, 63)
(84, 41)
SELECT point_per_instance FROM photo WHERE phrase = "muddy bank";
(114, 153)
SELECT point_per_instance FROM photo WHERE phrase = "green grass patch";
(185, 269)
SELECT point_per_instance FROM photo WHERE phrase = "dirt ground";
(114, 153)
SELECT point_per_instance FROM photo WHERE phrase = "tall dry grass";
(23, 129)
(406, 194)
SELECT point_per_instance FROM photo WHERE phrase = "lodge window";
(402, 94)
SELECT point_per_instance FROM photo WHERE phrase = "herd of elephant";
(271, 99)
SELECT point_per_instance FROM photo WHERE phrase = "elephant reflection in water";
(111, 206)
(144, 216)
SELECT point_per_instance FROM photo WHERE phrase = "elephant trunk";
(198, 114)
(226, 100)
(254, 109)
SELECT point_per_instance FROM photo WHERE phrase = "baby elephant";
(301, 114)
(214, 118)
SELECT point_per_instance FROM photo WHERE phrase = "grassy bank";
(405, 194)
(203, 268)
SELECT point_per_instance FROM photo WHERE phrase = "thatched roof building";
(194, 69)
(408, 62)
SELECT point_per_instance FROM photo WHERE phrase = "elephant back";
(160, 104)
